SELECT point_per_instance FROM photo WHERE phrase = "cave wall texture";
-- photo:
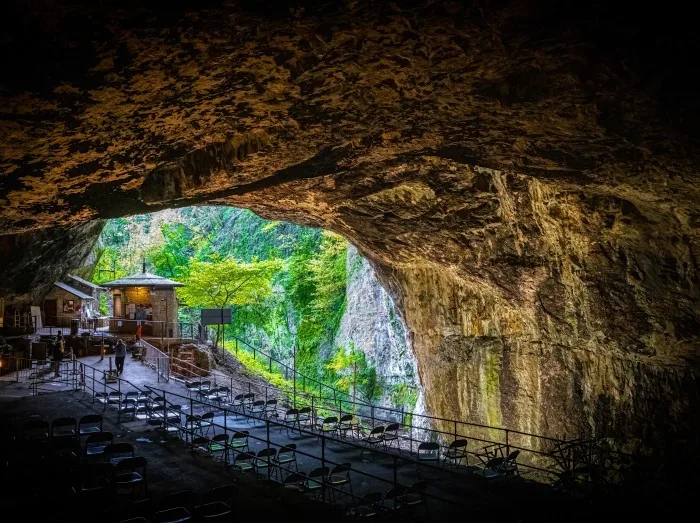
(522, 175)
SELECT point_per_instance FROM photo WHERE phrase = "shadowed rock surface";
(521, 175)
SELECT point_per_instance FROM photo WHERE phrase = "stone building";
(145, 299)
(65, 302)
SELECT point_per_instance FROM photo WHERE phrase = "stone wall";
(63, 318)
(375, 326)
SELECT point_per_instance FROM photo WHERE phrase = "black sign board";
(216, 316)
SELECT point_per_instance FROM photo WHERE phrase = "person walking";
(59, 348)
(120, 355)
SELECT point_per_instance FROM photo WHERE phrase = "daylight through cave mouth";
(302, 295)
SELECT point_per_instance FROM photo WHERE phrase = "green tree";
(111, 266)
(226, 282)
(352, 372)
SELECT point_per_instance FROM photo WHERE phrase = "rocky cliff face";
(521, 175)
(374, 325)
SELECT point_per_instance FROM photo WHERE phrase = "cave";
(521, 176)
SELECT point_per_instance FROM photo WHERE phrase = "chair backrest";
(137, 462)
(241, 434)
(259, 403)
(428, 450)
(271, 402)
(377, 430)
(495, 463)
(305, 410)
(345, 418)
(319, 472)
(99, 438)
(288, 448)
(395, 492)
(121, 447)
(91, 419)
(249, 397)
(183, 498)
(331, 420)
(200, 441)
(267, 453)
(238, 397)
(91, 471)
(294, 477)
(207, 417)
(459, 443)
(225, 493)
(191, 420)
(220, 437)
(62, 425)
(245, 456)
(340, 469)
(392, 427)
(513, 456)
(291, 414)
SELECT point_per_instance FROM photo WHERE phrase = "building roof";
(144, 279)
(85, 282)
(73, 291)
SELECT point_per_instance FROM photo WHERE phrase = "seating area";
(334, 457)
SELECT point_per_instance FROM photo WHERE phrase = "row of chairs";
(397, 498)
(216, 504)
(321, 481)
(43, 430)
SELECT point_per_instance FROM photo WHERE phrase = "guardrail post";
(395, 483)
(402, 418)
(455, 427)
(236, 346)
(269, 461)
(507, 443)
(410, 436)
(372, 415)
(270, 370)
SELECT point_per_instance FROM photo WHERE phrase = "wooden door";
(50, 313)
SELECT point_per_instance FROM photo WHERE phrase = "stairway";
(185, 366)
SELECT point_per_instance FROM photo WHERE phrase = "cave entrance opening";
(305, 304)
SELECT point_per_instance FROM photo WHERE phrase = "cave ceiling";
(417, 129)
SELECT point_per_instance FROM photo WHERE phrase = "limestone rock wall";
(375, 326)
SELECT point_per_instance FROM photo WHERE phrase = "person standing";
(120, 355)
(138, 334)
(59, 348)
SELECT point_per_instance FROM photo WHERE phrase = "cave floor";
(173, 467)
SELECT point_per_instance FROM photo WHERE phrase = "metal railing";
(119, 326)
(188, 433)
(540, 456)
(289, 373)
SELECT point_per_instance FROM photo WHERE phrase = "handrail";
(304, 377)
(322, 457)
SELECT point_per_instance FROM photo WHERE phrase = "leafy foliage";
(353, 372)
(294, 301)
(228, 282)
